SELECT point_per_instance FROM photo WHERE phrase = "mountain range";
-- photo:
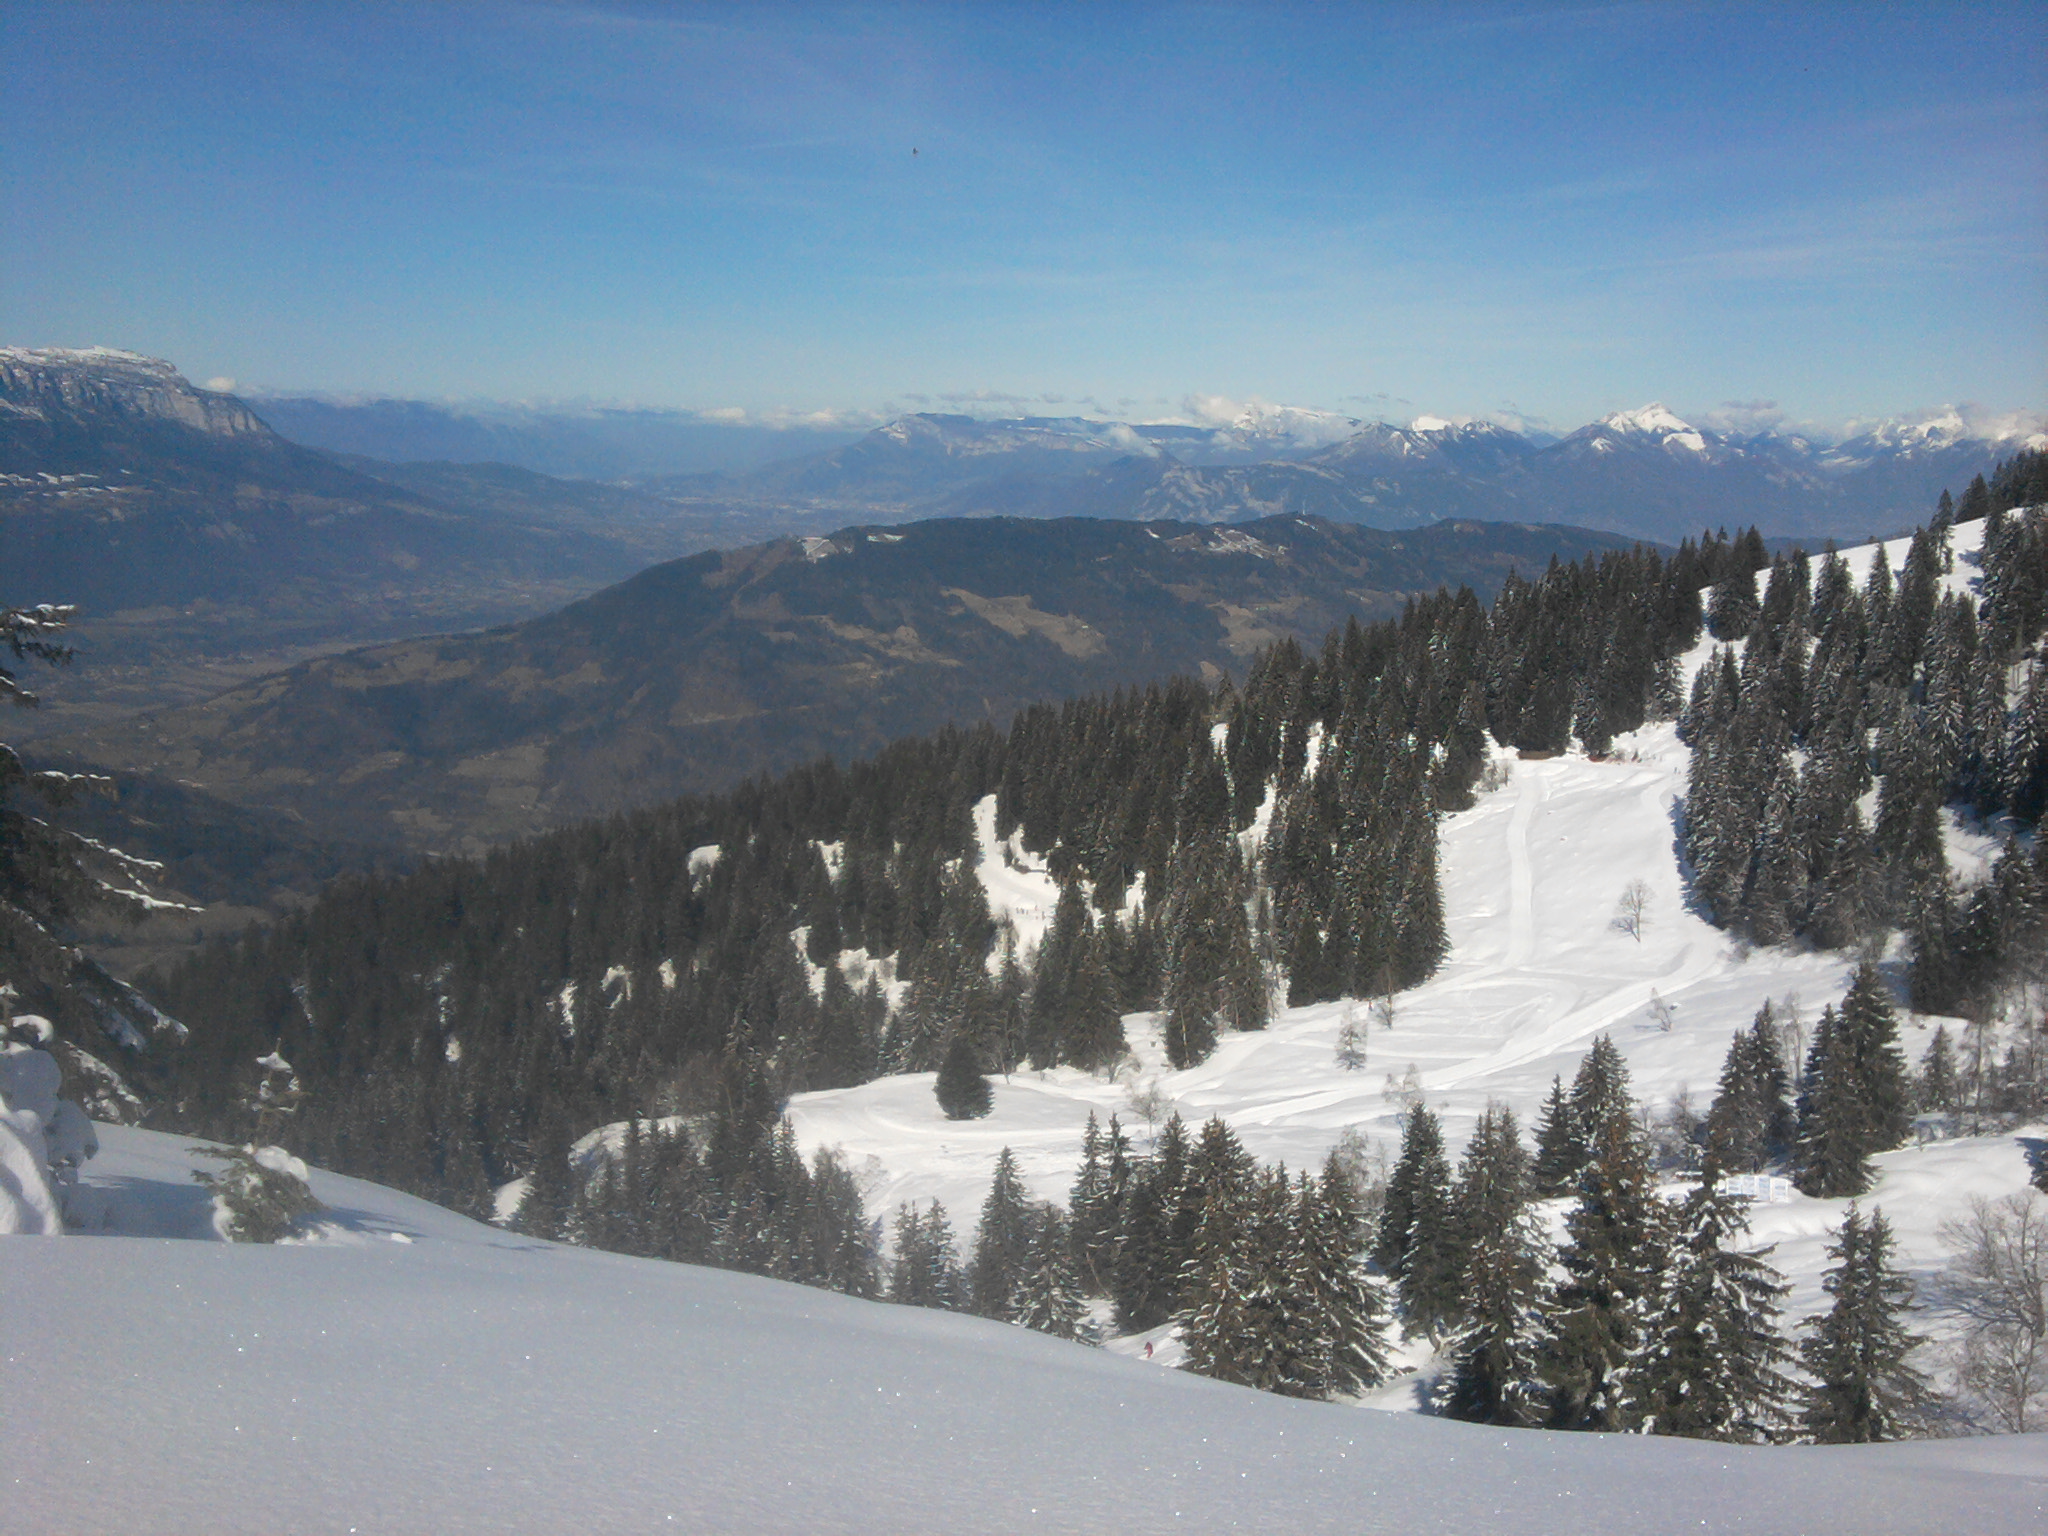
(1648, 473)
(201, 547)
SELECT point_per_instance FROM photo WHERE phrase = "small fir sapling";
(262, 1193)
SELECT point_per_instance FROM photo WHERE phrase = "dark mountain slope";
(697, 673)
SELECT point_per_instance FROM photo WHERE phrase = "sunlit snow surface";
(416, 1372)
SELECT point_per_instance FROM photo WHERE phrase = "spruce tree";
(1559, 1141)
(1499, 1349)
(1855, 1100)
(1145, 1273)
(1429, 1280)
(1047, 1295)
(1859, 1352)
(1348, 1313)
(1600, 1092)
(1499, 1278)
(1614, 1262)
(1002, 1242)
(1713, 1367)
(1750, 1124)
(1092, 1031)
(1936, 1091)
(1249, 1315)
(963, 1093)
(1832, 1158)
(1421, 1161)
(926, 1271)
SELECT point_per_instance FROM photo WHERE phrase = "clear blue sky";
(1556, 210)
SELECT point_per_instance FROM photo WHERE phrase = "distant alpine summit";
(1648, 473)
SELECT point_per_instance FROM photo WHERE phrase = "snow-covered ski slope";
(415, 1372)
(1532, 875)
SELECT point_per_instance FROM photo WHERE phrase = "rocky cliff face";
(52, 392)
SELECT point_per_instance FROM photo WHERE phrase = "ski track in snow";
(1536, 972)
(1521, 885)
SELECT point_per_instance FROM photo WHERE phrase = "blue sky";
(1550, 211)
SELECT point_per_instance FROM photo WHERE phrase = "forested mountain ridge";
(676, 975)
(696, 673)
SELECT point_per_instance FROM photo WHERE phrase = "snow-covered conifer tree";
(1858, 1353)
(1047, 1295)
(1614, 1262)
(1714, 1364)
(1002, 1242)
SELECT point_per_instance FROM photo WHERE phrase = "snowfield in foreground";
(417, 1372)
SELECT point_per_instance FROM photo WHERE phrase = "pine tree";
(1858, 1353)
(1250, 1315)
(1614, 1263)
(1002, 1243)
(1421, 1161)
(1937, 1090)
(1092, 1034)
(1493, 1179)
(1499, 1278)
(50, 878)
(544, 1210)
(1714, 1363)
(1600, 1093)
(1429, 1280)
(963, 1093)
(1348, 1314)
(1145, 1275)
(1047, 1295)
(1750, 1124)
(926, 1271)
(1499, 1350)
(1855, 1098)
(1733, 608)
(1559, 1141)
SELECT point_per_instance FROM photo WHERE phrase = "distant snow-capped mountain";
(1649, 472)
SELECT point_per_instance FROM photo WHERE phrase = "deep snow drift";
(417, 1372)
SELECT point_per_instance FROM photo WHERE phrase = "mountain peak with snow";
(1655, 418)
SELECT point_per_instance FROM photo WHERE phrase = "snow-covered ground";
(1532, 875)
(417, 1372)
